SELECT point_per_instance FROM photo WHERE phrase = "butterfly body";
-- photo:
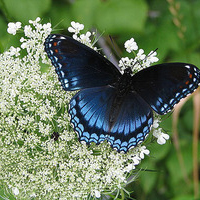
(113, 106)
(123, 86)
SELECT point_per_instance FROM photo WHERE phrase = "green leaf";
(60, 15)
(183, 197)
(117, 16)
(83, 11)
(164, 37)
(160, 151)
(5, 193)
(3, 35)
(23, 10)
(176, 175)
(148, 179)
(190, 19)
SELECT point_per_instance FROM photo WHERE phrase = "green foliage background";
(171, 26)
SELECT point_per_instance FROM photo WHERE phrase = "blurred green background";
(172, 26)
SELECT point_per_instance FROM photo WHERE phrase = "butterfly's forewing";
(90, 111)
(164, 85)
(77, 65)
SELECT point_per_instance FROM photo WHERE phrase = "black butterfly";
(111, 106)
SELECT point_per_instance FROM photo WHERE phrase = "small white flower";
(15, 191)
(161, 137)
(126, 62)
(97, 194)
(47, 27)
(130, 45)
(143, 151)
(75, 27)
(24, 45)
(151, 58)
(34, 22)
(85, 38)
(27, 31)
(33, 195)
(141, 55)
(156, 123)
(136, 160)
(13, 51)
(13, 27)
(75, 37)
(130, 167)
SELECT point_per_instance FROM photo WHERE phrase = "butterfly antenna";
(114, 47)
(96, 37)
(152, 52)
(57, 29)
(139, 62)
(106, 50)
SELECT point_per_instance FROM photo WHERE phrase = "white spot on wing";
(187, 66)
(62, 38)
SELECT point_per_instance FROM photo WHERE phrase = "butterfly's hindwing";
(163, 86)
(90, 112)
(133, 123)
(77, 65)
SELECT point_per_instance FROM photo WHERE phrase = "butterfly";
(110, 105)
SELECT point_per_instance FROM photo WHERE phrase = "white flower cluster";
(13, 27)
(158, 132)
(131, 45)
(83, 38)
(161, 137)
(33, 107)
(140, 60)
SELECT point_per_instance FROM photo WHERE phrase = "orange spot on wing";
(55, 44)
(187, 82)
(56, 50)
(190, 76)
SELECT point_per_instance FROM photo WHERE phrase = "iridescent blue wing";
(164, 85)
(77, 65)
(91, 110)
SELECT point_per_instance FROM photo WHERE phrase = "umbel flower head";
(40, 155)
